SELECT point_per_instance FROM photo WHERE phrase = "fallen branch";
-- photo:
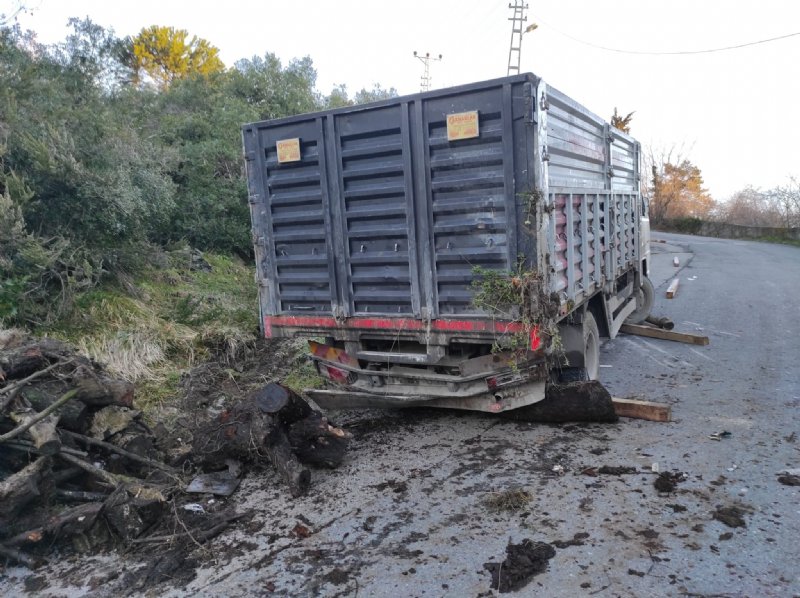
(80, 495)
(109, 478)
(20, 383)
(75, 520)
(28, 447)
(22, 487)
(198, 535)
(120, 451)
(38, 417)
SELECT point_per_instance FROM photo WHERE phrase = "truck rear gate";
(369, 220)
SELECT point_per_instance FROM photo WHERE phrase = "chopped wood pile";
(78, 464)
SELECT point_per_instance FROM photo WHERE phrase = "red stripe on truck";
(399, 324)
(396, 324)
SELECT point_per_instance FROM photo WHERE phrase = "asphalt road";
(408, 514)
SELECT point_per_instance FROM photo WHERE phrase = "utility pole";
(515, 51)
(425, 80)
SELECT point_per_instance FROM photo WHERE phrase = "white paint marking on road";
(667, 353)
(701, 327)
(725, 333)
(696, 352)
(644, 351)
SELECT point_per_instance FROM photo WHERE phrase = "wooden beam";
(654, 412)
(672, 289)
(667, 335)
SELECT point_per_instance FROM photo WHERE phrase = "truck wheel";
(645, 297)
(581, 345)
(591, 346)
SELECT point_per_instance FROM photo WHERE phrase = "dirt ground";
(440, 503)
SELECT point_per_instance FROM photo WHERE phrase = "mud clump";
(667, 481)
(731, 516)
(789, 480)
(616, 470)
(523, 561)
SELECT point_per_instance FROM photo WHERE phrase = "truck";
(460, 248)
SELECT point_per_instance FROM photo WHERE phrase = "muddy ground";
(428, 500)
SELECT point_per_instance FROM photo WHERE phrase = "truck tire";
(591, 346)
(645, 297)
(581, 345)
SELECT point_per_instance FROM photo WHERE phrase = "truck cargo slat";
(378, 149)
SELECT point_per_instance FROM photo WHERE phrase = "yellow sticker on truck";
(288, 150)
(462, 125)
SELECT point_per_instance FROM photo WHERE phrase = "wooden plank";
(654, 412)
(667, 335)
(672, 290)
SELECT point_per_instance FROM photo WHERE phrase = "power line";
(676, 53)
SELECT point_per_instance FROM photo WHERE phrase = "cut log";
(73, 415)
(42, 435)
(654, 412)
(316, 441)
(99, 390)
(22, 487)
(573, 402)
(41, 430)
(285, 462)
(9, 392)
(21, 359)
(277, 399)
(19, 362)
(238, 433)
(672, 289)
(667, 335)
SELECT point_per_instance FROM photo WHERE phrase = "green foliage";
(202, 121)
(93, 178)
(339, 98)
(97, 170)
(497, 292)
(166, 54)
(165, 317)
(272, 90)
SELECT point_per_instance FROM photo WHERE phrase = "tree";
(786, 198)
(339, 96)
(274, 90)
(623, 123)
(749, 207)
(676, 188)
(165, 54)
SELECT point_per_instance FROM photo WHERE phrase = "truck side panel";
(593, 200)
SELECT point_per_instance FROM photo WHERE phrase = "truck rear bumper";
(494, 382)
(490, 402)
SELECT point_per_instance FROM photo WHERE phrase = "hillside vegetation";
(124, 222)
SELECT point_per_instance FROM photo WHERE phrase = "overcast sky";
(734, 113)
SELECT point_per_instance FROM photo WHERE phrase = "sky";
(735, 113)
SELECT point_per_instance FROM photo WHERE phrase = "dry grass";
(508, 500)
